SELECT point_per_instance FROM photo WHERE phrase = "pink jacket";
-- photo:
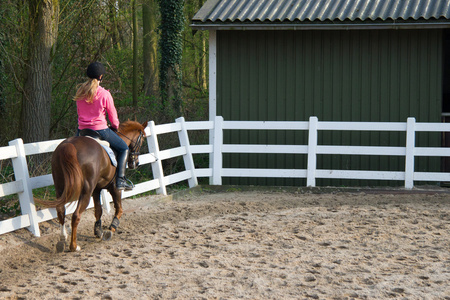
(93, 115)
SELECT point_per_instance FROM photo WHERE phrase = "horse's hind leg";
(76, 217)
(117, 199)
(98, 231)
(61, 245)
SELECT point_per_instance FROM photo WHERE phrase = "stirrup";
(124, 184)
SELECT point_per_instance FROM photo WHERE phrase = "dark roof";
(244, 13)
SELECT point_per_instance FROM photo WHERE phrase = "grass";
(9, 207)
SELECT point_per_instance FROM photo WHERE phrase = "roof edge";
(322, 26)
(348, 24)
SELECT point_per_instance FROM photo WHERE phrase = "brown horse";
(81, 168)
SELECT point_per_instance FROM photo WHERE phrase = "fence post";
(105, 200)
(157, 168)
(409, 158)
(217, 151)
(21, 173)
(312, 152)
(187, 158)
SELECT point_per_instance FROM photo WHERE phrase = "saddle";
(98, 138)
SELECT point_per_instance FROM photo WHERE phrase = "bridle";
(136, 149)
(135, 146)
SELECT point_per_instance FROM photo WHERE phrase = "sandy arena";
(267, 244)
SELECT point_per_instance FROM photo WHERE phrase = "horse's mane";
(128, 126)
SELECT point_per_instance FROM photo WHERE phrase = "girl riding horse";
(93, 102)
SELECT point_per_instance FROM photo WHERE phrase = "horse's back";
(91, 157)
(87, 149)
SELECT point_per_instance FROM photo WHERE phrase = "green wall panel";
(354, 75)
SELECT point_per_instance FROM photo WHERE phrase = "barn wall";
(359, 75)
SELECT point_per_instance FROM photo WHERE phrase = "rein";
(136, 148)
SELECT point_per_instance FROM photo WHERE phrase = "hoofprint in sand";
(244, 244)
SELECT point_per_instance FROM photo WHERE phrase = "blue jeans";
(113, 139)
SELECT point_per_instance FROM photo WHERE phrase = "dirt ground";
(266, 244)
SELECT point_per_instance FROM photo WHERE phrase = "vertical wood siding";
(355, 75)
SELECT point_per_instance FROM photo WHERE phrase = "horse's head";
(133, 133)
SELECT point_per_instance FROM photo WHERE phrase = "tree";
(135, 54)
(45, 48)
(203, 59)
(171, 47)
(194, 53)
(114, 24)
(149, 19)
(2, 78)
(36, 106)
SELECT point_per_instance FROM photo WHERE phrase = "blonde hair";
(87, 90)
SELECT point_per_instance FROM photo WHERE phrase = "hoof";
(60, 246)
(98, 230)
(98, 233)
(76, 249)
(107, 235)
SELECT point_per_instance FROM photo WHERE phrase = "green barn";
(339, 60)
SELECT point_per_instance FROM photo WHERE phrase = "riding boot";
(122, 183)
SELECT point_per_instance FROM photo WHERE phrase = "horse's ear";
(144, 124)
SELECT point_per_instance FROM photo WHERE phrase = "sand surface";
(244, 245)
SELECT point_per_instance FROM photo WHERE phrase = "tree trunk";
(149, 47)
(36, 105)
(113, 20)
(2, 99)
(204, 63)
(171, 48)
(135, 56)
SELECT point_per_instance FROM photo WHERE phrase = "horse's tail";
(65, 164)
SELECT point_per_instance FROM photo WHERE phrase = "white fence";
(24, 184)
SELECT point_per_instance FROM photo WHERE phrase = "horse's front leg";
(117, 199)
(98, 230)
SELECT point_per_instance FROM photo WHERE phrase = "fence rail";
(23, 185)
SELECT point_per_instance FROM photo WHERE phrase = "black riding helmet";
(95, 70)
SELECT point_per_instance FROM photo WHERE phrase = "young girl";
(93, 102)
